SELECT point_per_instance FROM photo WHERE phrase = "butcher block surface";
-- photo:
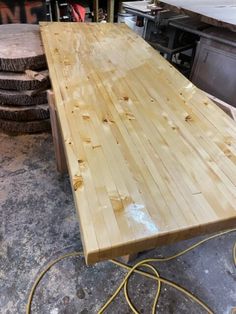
(151, 159)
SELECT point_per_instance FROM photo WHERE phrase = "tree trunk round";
(21, 48)
(22, 98)
(16, 127)
(21, 81)
(29, 113)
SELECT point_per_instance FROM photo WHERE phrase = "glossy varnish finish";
(151, 159)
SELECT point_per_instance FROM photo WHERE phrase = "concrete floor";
(38, 223)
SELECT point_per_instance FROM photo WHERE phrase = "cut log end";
(21, 48)
(16, 127)
(28, 113)
(21, 81)
(22, 98)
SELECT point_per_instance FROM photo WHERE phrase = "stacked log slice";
(21, 48)
(22, 98)
(24, 80)
(27, 113)
(14, 127)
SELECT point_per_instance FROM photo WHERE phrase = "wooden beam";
(95, 9)
(110, 10)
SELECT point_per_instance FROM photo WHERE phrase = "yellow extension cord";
(132, 270)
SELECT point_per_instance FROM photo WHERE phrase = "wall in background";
(22, 11)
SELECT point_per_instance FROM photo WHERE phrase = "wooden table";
(151, 159)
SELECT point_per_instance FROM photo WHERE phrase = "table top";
(220, 10)
(151, 159)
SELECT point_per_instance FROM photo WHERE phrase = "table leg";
(56, 135)
(129, 258)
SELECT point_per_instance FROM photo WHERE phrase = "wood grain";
(21, 48)
(151, 159)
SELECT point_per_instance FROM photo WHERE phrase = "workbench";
(151, 159)
(157, 32)
(221, 13)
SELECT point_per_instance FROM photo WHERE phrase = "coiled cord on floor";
(134, 269)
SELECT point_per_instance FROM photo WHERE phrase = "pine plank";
(150, 162)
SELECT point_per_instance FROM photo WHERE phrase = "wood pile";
(24, 80)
